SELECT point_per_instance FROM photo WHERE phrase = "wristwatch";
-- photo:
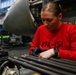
(56, 52)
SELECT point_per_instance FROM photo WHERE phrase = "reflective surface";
(18, 19)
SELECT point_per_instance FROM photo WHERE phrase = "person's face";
(50, 21)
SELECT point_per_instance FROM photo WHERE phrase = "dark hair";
(52, 7)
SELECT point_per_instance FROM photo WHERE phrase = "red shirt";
(64, 39)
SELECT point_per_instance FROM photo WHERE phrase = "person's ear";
(60, 16)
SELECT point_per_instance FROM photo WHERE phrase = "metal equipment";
(19, 20)
(53, 66)
(6, 67)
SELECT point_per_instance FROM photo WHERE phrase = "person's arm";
(71, 53)
(67, 54)
(35, 42)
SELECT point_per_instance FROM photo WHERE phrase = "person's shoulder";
(41, 26)
(69, 25)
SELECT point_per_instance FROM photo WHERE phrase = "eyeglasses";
(48, 20)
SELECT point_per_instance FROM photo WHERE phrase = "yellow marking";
(36, 74)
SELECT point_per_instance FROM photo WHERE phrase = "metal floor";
(18, 51)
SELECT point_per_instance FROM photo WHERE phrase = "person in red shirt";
(54, 38)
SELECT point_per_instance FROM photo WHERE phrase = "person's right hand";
(47, 54)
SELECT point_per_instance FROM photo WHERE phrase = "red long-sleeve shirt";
(64, 39)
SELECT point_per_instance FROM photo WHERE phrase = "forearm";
(67, 54)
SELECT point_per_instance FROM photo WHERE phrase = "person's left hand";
(47, 54)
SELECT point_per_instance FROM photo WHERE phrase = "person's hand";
(47, 54)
